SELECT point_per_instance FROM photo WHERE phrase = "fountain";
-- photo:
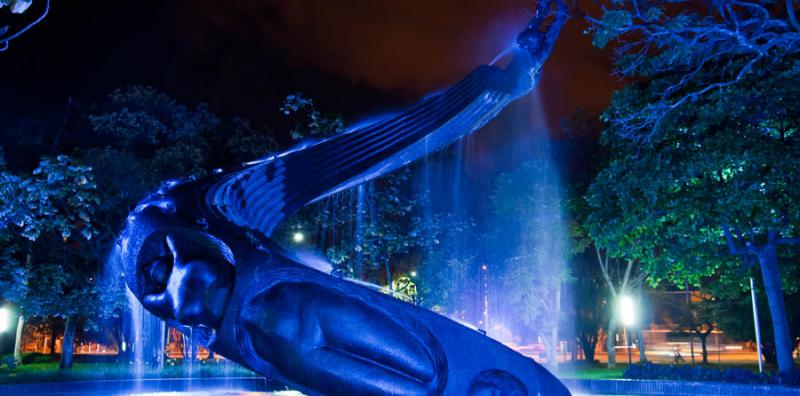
(198, 254)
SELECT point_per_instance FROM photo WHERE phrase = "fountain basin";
(170, 386)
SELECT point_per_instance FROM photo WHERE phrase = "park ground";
(44, 371)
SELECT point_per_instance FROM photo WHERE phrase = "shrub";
(7, 363)
(700, 373)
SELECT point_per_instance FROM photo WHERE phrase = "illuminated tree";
(692, 49)
(361, 230)
(49, 269)
(719, 175)
(447, 271)
(704, 144)
(530, 229)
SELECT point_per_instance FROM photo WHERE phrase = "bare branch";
(628, 268)
(604, 269)
(717, 49)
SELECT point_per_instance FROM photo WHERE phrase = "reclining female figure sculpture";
(199, 254)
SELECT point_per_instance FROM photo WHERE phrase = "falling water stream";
(447, 188)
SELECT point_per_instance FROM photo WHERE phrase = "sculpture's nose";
(189, 284)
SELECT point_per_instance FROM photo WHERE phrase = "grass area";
(49, 372)
(596, 372)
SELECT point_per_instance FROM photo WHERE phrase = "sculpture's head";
(177, 269)
(531, 40)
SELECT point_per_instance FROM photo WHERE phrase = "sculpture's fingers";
(373, 336)
(343, 344)
(346, 374)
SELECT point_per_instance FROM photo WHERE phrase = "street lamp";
(5, 319)
(413, 274)
(298, 237)
(626, 309)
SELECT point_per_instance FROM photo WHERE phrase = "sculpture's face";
(178, 271)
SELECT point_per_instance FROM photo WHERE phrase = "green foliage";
(140, 121)
(47, 234)
(60, 221)
(313, 122)
(381, 218)
(614, 22)
(447, 271)
(728, 160)
(384, 217)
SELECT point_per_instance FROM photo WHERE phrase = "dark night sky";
(354, 56)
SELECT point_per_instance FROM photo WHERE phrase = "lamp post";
(298, 237)
(626, 309)
(758, 328)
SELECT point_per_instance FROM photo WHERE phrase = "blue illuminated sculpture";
(199, 254)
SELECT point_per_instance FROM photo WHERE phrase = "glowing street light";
(298, 237)
(626, 310)
(413, 274)
(5, 319)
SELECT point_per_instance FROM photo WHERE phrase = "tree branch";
(735, 250)
(788, 241)
(791, 14)
(604, 269)
(725, 42)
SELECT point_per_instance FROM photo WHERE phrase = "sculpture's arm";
(260, 196)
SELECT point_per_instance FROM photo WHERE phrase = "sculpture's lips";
(343, 343)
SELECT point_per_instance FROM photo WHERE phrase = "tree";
(697, 316)
(361, 230)
(47, 229)
(703, 144)
(139, 138)
(529, 225)
(618, 274)
(695, 50)
(132, 141)
(591, 303)
(447, 273)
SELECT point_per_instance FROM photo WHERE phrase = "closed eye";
(156, 274)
